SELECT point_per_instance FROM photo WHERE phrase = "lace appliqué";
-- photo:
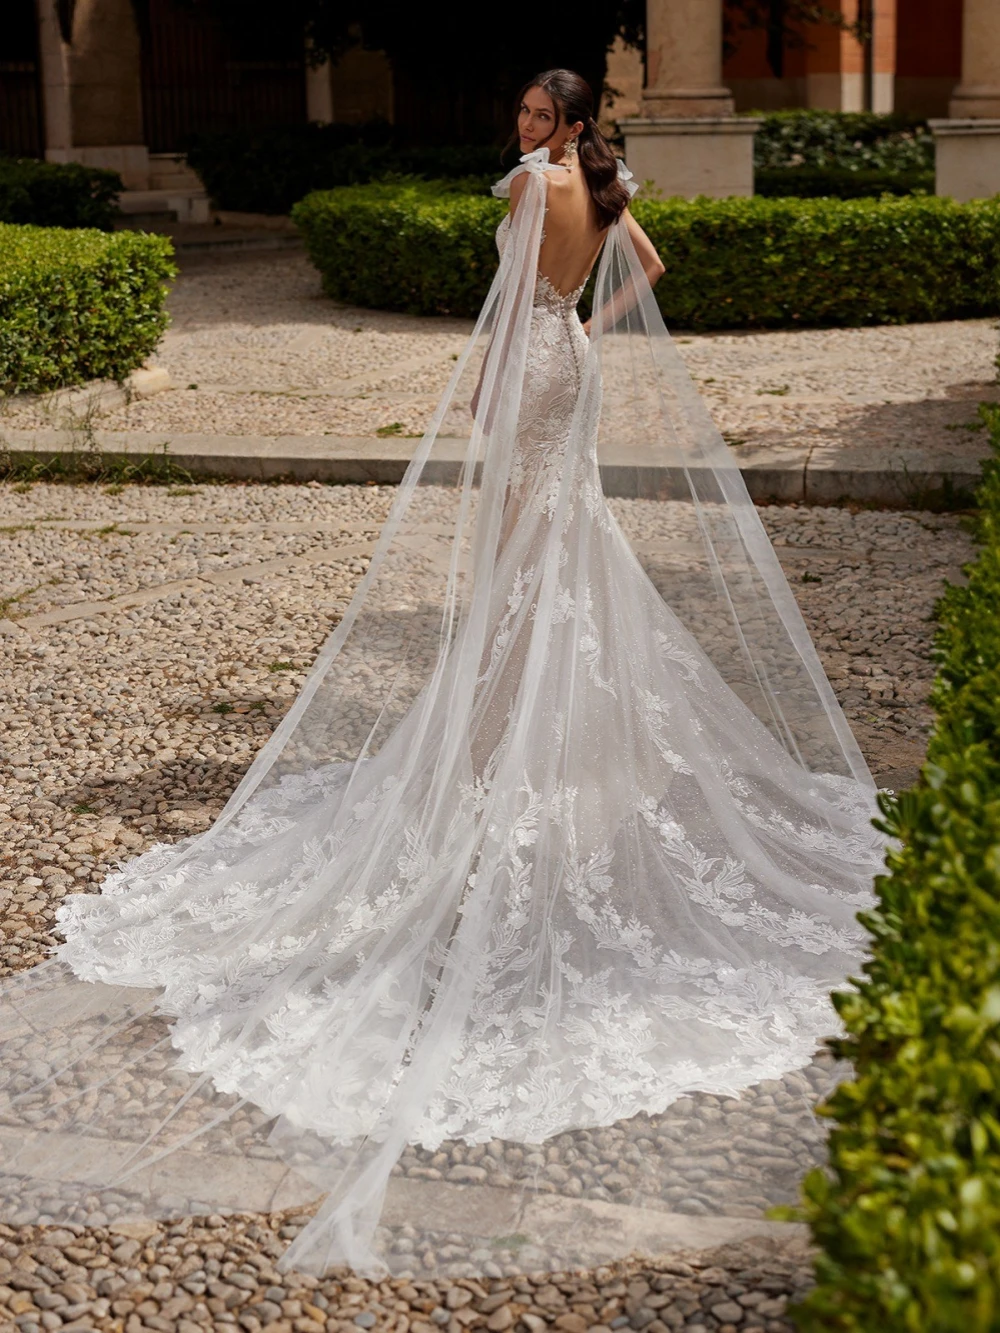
(289, 945)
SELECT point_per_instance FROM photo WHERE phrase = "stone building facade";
(88, 80)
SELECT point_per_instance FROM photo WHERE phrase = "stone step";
(179, 205)
(170, 171)
(607, 1230)
(897, 478)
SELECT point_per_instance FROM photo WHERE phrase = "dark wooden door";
(21, 128)
(200, 75)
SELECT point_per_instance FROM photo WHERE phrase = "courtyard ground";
(151, 637)
(255, 349)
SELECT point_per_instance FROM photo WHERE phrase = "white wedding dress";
(565, 827)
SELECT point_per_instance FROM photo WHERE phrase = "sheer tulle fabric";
(563, 839)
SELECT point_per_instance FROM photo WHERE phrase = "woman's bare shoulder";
(569, 206)
(517, 188)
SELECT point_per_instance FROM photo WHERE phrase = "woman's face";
(536, 120)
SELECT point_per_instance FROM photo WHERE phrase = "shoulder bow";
(625, 176)
(537, 162)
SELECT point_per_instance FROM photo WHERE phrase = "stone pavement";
(269, 379)
(219, 1273)
(152, 637)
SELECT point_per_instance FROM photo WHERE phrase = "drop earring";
(569, 149)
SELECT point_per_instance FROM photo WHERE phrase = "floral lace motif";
(556, 351)
(549, 297)
(512, 1074)
(627, 918)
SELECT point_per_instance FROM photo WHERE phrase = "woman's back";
(573, 237)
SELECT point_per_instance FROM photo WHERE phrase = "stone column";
(968, 142)
(319, 91)
(977, 97)
(54, 60)
(684, 60)
(105, 92)
(686, 140)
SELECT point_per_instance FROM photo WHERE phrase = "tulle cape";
(435, 965)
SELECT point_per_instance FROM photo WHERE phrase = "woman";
(561, 844)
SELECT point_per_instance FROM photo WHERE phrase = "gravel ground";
(256, 349)
(219, 1273)
(151, 639)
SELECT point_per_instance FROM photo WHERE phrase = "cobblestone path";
(255, 349)
(151, 638)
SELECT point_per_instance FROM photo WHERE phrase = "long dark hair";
(574, 101)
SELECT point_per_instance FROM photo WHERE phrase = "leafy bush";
(839, 182)
(731, 263)
(851, 140)
(78, 305)
(908, 1217)
(50, 194)
(267, 171)
(402, 247)
(770, 263)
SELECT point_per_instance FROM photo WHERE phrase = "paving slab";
(320, 390)
(155, 638)
(895, 477)
(260, 1186)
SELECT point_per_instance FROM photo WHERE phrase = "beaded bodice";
(551, 298)
(557, 349)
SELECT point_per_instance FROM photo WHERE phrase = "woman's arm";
(517, 188)
(645, 250)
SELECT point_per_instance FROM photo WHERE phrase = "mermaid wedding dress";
(558, 853)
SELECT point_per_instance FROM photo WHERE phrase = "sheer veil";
(563, 839)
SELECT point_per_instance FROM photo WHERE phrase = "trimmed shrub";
(78, 305)
(731, 263)
(772, 263)
(267, 171)
(908, 1215)
(838, 182)
(850, 140)
(51, 194)
(402, 247)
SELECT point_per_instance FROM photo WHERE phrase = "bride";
(513, 937)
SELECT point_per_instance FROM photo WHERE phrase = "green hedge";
(731, 263)
(849, 140)
(267, 171)
(838, 182)
(908, 1216)
(78, 305)
(50, 194)
(402, 247)
(845, 154)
